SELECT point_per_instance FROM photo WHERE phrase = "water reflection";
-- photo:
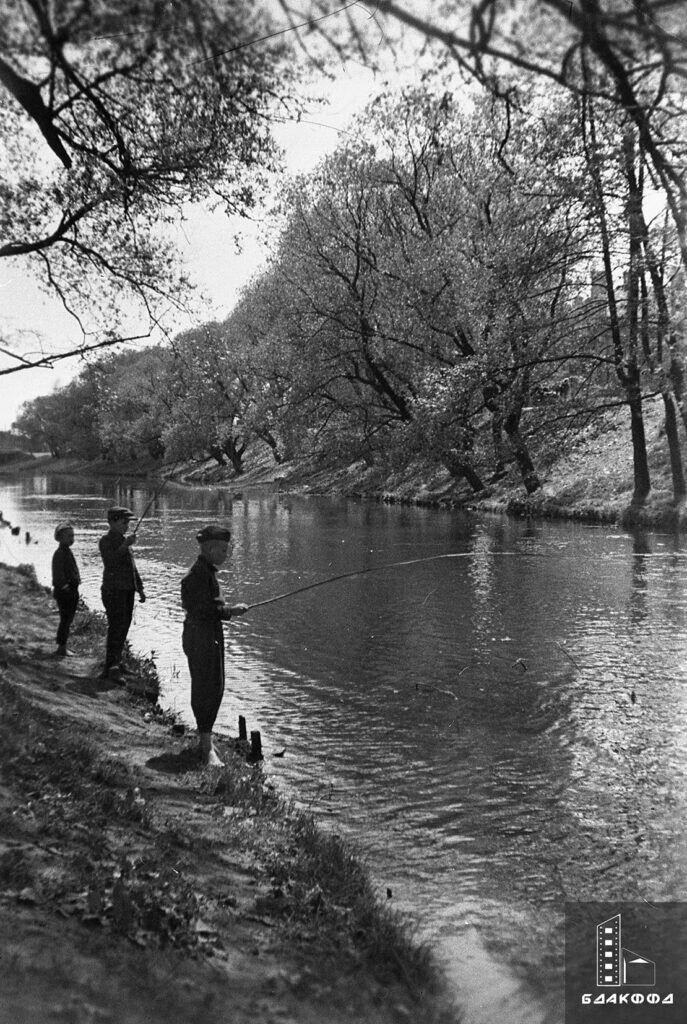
(470, 721)
(641, 547)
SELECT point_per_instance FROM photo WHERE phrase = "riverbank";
(138, 887)
(590, 478)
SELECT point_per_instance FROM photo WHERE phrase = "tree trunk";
(235, 452)
(530, 479)
(679, 489)
(268, 437)
(492, 401)
(217, 453)
(639, 457)
(677, 377)
(459, 468)
(499, 446)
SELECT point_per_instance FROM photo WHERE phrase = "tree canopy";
(115, 115)
(631, 55)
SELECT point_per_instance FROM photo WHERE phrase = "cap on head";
(119, 512)
(61, 528)
(213, 533)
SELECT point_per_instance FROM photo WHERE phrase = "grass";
(45, 757)
(328, 879)
(318, 877)
(71, 788)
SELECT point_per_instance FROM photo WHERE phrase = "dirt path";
(138, 888)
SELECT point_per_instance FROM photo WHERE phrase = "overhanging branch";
(49, 360)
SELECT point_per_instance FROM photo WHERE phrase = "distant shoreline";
(592, 483)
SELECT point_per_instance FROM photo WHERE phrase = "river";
(496, 732)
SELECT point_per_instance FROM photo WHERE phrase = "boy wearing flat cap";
(121, 581)
(65, 584)
(203, 638)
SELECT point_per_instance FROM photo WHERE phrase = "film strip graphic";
(616, 965)
(608, 952)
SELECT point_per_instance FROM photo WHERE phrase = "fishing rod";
(410, 561)
(150, 504)
(361, 572)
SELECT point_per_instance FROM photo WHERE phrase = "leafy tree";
(64, 422)
(131, 403)
(635, 288)
(331, 316)
(261, 335)
(114, 116)
(205, 399)
(635, 54)
(488, 255)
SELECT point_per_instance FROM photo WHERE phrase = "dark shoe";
(114, 673)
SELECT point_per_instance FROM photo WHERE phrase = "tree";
(114, 117)
(262, 346)
(132, 406)
(635, 285)
(63, 422)
(328, 261)
(636, 55)
(205, 399)
(489, 252)
(418, 265)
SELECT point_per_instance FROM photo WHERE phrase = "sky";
(206, 243)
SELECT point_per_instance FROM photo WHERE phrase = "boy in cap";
(65, 584)
(203, 639)
(121, 581)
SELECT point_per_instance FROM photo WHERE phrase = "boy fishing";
(203, 637)
(65, 585)
(121, 581)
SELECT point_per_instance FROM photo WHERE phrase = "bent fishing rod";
(361, 572)
(156, 494)
(410, 561)
(146, 510)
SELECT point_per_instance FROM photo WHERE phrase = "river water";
(497, 731)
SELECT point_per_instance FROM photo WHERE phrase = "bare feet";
(213, 759)
(208, 754)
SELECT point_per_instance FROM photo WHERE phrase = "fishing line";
(431, 558)
(361, 572)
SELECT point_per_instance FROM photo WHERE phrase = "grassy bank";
(589, 476)
(137, 887)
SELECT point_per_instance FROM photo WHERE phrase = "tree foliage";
(458, 285)
(115, 115)
(632, 56)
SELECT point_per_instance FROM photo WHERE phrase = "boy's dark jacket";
(64, 569)
(120, 572)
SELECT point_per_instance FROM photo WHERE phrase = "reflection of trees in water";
(641, 547)
(485, 613)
